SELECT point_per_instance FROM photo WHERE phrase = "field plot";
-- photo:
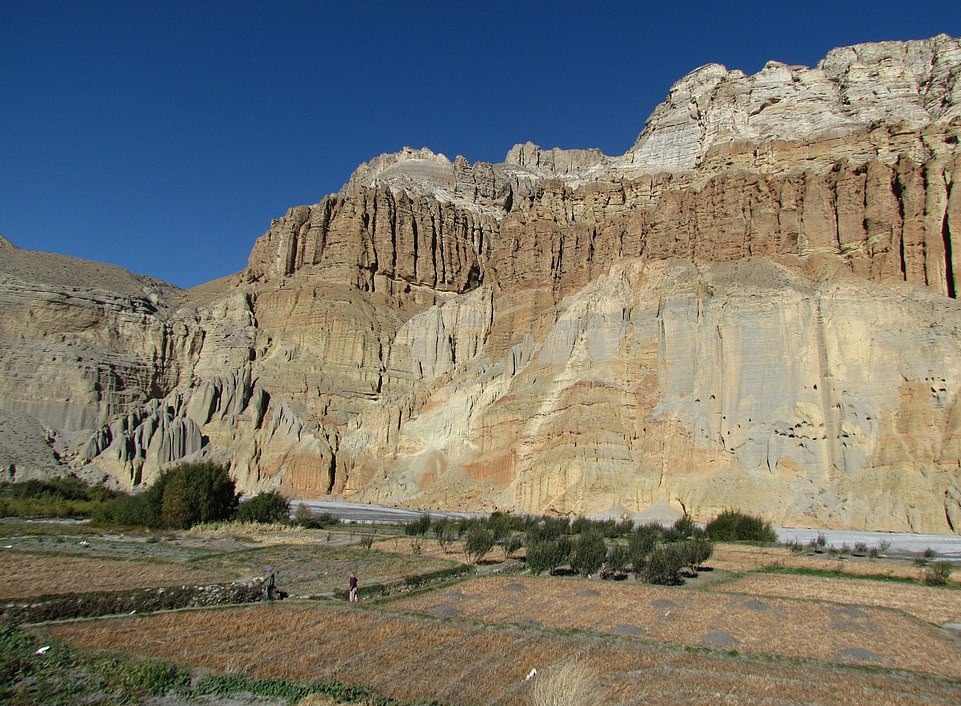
(320, 569)
(740, 558)
(933, 604)
(779, 626)
(423, 658)
(306, 564)
(27, 576)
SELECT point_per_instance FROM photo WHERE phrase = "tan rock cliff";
(754, 307)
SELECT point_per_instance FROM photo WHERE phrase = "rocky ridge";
(754, 307)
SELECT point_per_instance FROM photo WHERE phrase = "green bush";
(264, 507)
(181, 497)
(734, 526)
(128, 511)
(66, 496)
(589, 553)
(683, 528)
(664, 565)
(478, 543)
(617, 558)
(419, 527)
(546, 555)
(640, 543)
(696, 552)
(304, 517)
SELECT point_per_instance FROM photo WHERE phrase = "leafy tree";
(510, 543)
(181, 496)
(589, 553)
(445, 532)
(478, 543)
(554, 527)
(735, 526)
(499, 525)
(264, 507)
(196, 492)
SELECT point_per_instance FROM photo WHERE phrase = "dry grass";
(935, 605)
(417, 658)
(740, 558)
(779, 626)
(302, 568)
(570, 683)
(27, 576)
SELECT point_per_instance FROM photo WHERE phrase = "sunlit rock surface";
(754, 307)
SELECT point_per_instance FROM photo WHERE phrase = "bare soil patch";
(676, 616)
(419, 658)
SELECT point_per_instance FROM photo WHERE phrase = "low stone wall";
(64, 606)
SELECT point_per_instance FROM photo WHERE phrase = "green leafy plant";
(589, 553)
(478, 543)
(181, 497)
(264, 507)
(735, 526)
(664, 565)
(419, 527)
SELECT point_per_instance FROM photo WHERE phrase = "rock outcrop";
(754, 307)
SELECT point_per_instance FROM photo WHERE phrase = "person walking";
(270, 585)
(352, 587)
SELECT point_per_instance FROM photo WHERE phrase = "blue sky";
(164, 136)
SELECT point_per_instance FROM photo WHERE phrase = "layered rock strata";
(754, 307)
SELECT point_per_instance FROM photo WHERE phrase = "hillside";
(754, 307)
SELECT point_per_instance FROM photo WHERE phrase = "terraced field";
(737, 634)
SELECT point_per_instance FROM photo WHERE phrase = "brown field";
(739, 558)
(935, 605)
(28, 576)
(308, 567)
(422, 658)
(778, 626)
(753, 638)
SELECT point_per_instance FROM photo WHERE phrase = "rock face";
(755, 307)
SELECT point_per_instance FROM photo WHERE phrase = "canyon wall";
(754, 307)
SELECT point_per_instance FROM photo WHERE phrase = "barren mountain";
(754, 307)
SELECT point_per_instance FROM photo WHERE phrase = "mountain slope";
(754, 307)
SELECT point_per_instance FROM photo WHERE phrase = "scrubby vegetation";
(61, 675)
(735, 526)
(67, 496)
(264, 507)
(181, 497)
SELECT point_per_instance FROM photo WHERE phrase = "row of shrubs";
(66, 496)
(654, 553)
(190, 494)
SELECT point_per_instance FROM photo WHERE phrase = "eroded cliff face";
(754, 307)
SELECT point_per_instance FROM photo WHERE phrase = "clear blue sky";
(164, 136)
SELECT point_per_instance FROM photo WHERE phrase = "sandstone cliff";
(754, 307)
